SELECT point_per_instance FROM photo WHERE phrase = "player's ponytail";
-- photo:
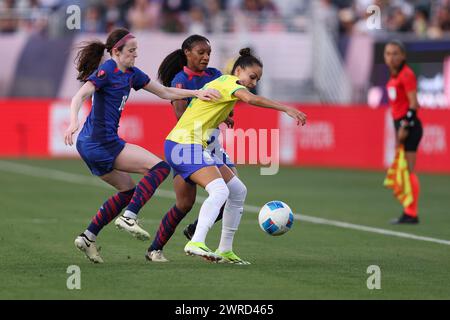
(88, 58)
(246, 59)
(91, 53)
(171, 65)
(176, 60)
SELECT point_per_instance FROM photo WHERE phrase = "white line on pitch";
(53, 174)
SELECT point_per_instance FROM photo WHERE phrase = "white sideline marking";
(53, 174)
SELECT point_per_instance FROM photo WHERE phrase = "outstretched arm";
(75, 105)
(169, 93)
(250, 98)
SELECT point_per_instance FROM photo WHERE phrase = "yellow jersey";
(201, 118)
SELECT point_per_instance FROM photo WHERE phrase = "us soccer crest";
(101, 74)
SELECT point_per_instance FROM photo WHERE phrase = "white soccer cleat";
(201, 250)
(132, 226)
(156, 256)
(89, 248)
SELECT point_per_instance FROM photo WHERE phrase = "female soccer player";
(402, 94)
(185, 151)
(186, 68)
(105, 153)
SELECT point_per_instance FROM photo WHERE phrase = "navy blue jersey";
(188, 79)
(112, 89)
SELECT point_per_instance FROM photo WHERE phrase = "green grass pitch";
(40, 218)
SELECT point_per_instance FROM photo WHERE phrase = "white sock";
(92, 237)
(218, 194)
(232, 213)
(130, 214)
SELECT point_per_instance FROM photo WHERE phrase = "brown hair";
(246, 59)
(90, 54)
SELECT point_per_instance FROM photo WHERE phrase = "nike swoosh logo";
(129, 224)
(86, 242)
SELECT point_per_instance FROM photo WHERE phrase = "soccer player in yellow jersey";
(185, 151)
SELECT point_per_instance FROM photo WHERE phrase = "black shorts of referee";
(414, 135)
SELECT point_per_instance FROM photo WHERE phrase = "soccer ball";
(275, 218)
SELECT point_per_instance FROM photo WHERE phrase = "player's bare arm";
(75, 105)
(168, 93)
(250, 98)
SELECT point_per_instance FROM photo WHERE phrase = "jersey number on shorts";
(122, 105)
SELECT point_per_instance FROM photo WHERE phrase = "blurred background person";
(93, 21)
(196, 21)
(144, 15)
(217, 18)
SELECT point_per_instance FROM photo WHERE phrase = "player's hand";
(229, 122)
(297, 115)
(68, 135)
(208, 94)
(411, 117)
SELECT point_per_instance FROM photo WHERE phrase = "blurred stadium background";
(317, 54)
(321, 56)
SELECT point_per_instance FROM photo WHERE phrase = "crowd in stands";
(425, 18)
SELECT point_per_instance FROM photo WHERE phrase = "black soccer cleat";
(405, 219)
(189, 231)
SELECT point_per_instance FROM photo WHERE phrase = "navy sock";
(109, 210)
(167, 227)
(148, 185)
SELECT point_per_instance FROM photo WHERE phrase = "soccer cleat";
(132, 226)
(405, 219)
(156, 256)
(88, 247)
(189, 231)
(201, 250)
(231, 257)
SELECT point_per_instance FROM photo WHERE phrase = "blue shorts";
(221, 157)
(215, 148)
(185, 159)
(100, 156)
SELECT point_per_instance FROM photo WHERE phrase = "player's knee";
(238, 190)
(218, 191)
(162, 166)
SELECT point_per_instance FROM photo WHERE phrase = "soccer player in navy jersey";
(104, 152)
(187, 68)
(402, 94)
